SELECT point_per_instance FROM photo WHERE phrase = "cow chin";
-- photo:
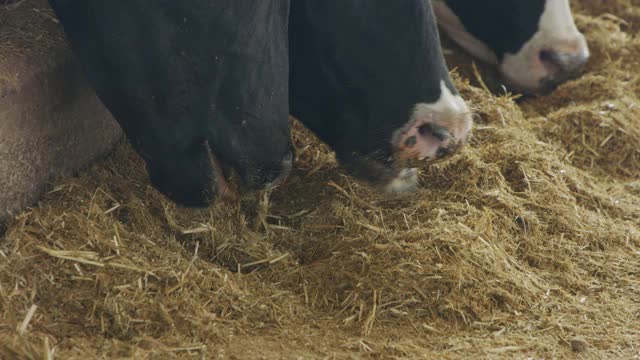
(258, 176)
(383, 174)
(185, 177)
(198, 177)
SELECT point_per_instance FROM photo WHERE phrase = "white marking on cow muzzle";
(433, 131)
(554, 54)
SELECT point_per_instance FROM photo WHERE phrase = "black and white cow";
(200, 86)
(534, 43)
(372, 89)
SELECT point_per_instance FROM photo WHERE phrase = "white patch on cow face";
(452, 25)
(445, 111)
(524, 70)
(557, 32)
(433, 130)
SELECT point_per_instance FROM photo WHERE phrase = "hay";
(525, 244)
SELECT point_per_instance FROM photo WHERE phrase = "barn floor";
(524, 245)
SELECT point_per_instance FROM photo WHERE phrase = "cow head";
(368, 77)
(535, 43)
(198, 86)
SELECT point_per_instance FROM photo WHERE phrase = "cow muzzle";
(562, 64)
(433, 132)
(267, 176)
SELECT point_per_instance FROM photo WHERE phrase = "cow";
(534, 43)
(202, 86)
(369, 78)
(198, 86)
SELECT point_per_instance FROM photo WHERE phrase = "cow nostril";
(562, 64)
(411, 141)
(555, 63)
(442, 152)
(549, 57)
(439, 132)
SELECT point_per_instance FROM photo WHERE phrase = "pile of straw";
(524, 244)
